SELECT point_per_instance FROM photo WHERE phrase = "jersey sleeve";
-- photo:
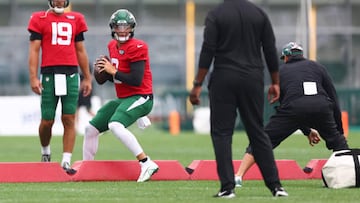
(34, 23)
(331, 91)
(305, 130)
(81, 24)
(208, 46)
(269, 48)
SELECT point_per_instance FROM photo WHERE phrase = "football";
(101, 77)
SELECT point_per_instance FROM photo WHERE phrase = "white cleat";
(279, 192)
(148, 169)
(238, 181)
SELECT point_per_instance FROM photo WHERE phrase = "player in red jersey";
(60, 37)
(130, 67)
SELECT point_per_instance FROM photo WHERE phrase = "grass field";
(160, 145)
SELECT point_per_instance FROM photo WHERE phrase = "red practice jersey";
(58, 36)
(131, 51)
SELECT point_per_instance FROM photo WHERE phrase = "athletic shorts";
(123, 110)
(49, 101)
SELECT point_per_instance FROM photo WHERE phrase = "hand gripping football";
(103, 76)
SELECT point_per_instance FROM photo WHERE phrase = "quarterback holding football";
(129, 67)
(100, 75)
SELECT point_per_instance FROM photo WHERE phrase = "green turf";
(160, 145)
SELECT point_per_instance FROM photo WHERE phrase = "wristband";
(197, 83)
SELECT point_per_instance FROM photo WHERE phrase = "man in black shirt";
(236, 32)
(307, 98)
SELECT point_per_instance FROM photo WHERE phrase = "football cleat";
(279, 192)
(68, 169)
(227, 194)
(238, 181)
(45, 158)
(148, 168)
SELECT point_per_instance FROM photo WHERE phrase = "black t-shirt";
(235, 34)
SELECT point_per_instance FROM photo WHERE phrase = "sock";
(66, 158)
(46, 150)
(126, 137)
(91, 142)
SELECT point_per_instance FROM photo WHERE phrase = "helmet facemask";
(58, 10)
(122, 21)
(122, 27)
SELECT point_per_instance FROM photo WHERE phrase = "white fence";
(20, 115)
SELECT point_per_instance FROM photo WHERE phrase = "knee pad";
(116, 125)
